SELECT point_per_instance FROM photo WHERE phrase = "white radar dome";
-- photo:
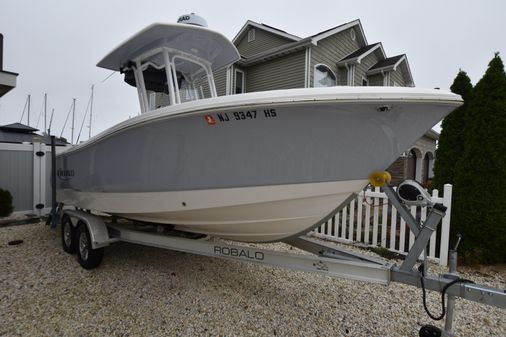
(192, 19)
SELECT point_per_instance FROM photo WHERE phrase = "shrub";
(450, 147)
(6, 207)
(479, 207)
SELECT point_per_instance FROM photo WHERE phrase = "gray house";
(7, 78)
(274, 59)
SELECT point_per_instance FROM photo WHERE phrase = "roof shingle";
(388, 62)
(359, 52)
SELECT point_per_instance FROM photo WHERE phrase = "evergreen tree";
(480, 176)
(451, 141)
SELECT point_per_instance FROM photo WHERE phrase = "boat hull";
(288, 162)
(252, 214)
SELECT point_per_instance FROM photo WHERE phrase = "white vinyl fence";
(370, 219)
(25, 171)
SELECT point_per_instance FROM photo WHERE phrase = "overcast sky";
(55, 45)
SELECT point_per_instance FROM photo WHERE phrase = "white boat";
(253, 167)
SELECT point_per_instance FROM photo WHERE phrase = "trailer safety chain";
(421, 269)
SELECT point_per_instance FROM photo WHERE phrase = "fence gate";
(25, 171)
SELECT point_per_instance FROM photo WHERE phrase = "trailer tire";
(68, 235)
(429, 331)
(88, 257)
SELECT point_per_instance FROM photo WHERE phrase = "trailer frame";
(317, 257)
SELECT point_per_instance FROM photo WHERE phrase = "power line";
(109, 76)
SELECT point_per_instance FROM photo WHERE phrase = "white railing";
(370, 219)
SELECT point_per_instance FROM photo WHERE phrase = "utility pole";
(73, 117)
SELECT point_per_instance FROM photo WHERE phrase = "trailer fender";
(98, 230)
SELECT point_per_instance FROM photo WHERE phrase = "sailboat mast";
(29, 101)
(91, 109)
(45, 112)
(73, 117)
(50, 123)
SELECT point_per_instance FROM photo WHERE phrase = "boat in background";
(254, 167)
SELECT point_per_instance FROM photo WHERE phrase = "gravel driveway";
(142, 291)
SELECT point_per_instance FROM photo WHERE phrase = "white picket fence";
(371, 219)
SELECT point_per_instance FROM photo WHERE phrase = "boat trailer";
(87, 234)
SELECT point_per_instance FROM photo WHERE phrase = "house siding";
(376, 80)
(329, 51)
(263, 41)
(220, 80)
(342, 76)
(362, 68)
(398, 77)
(281, 73)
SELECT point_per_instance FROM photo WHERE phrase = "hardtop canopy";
(200, 42)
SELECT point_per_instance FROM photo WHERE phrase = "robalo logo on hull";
(65, 174)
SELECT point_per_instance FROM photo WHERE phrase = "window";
(323, 76)
(152, 100)
(189, 76)
(352, 34)
(239, 82)
(251, 35)
(365, 82)
(155, 82)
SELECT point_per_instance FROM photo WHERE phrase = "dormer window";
(251, 35)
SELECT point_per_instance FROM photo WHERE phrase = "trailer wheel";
(429, 331)
(88, 257)
(68, 235)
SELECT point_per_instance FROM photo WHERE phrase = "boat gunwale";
(276, 98)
